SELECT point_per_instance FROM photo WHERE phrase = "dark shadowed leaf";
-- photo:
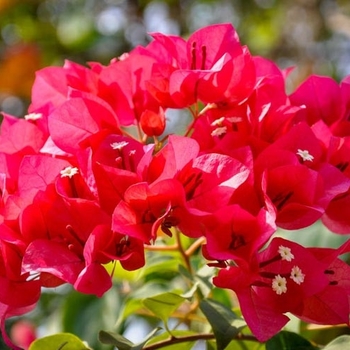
(121, 342)
(225, 323)
(288, 341)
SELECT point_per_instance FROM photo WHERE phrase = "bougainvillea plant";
(98, 177)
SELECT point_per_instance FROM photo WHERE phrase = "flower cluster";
(91, 174)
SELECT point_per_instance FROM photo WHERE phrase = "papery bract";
(285, 277)
(77, 119)
(211, 66)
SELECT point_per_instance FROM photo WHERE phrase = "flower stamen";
(279, 284)
(286, 253)
(296, 275)
(305, 155)
(69, 172)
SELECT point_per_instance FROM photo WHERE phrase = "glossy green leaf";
(161, 266)
(245, 345)
(340, 343)
(163, 305)
(184, 272)
(190, 293)
(225, 323)
(115, 339)
(60, 341)
(288, 341)
(122, 343)
(204, 279)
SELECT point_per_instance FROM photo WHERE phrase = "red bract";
(297, 181)
(76, 120)
(18, 292)
(52, 84)
(19, 135)
(79, 190)
(211, 67)
(153, 124)
(114, 164)
(331, 305)
(73, 250)
(287, 277)
(144, 207)
(258, 121)
(123, 85)
(336, 217)
(321, 97)
(183, 188)
(236, 234)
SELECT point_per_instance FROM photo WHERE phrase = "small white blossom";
(119, 145)
(296, 275)
(279, 284)
(33, 275)
(69, 171)
(33, 116)
(219, 131)
(218, 122)
(305, 155)
(286, 253)
(235, 119)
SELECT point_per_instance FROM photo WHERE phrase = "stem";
(200, 241)
(176, 340)
(207, 107)
(161, 247)
(189, 316)
(182, 251)
(190, 127)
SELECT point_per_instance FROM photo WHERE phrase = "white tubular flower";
(119, 145)
(286, 253)
(33, 116)
(219, 131)
(305, 155)
(296, 275)
(279, 284)
(69, 172)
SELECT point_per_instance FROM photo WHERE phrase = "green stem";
(182, 251)
(200, 241)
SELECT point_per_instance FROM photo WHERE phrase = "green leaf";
(163, 305)
(161, 266)
(115, 339)
(204, 279)
(121, 342)
(60, 341)
(225, 323)
(184, 272)
(340, 343)
(245, 345)
(288, 341)
(190, 293)
(79, 313)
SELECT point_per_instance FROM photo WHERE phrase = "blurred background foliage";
(313, 35)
